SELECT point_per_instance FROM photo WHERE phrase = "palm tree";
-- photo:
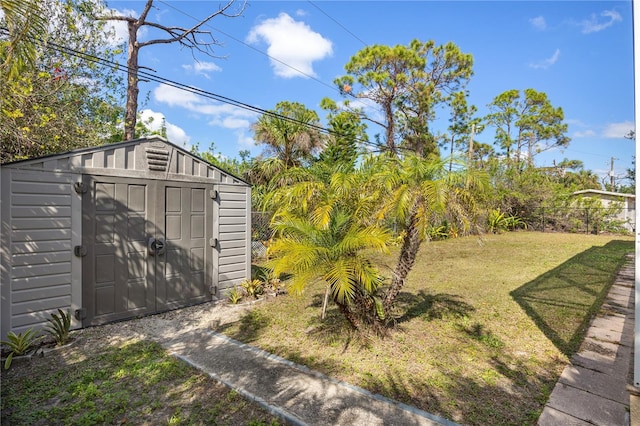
(333, 252)
(422, 193)
(291, 133)
(26, 26)
(323, 228)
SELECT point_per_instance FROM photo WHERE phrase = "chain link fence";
(261, 233)
(588, 220)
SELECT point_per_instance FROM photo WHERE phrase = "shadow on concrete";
(563, 300)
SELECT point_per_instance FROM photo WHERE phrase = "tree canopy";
(53, 99)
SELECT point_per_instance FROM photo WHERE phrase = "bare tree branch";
(188, 37)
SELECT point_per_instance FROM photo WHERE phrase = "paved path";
(592, 388)
(293, 392)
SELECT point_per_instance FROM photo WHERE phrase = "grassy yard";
(483, 329)
(135, 383)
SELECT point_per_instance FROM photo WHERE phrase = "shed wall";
(40, 225)
(234, 233)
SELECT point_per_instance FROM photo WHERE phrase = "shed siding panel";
(39, 282)
(41, 293)
(235, 259)
(40, 244)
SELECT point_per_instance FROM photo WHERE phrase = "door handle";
(160, 246)
(157, 247)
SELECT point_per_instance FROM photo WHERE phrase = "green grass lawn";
(483, 329)
(135, 383)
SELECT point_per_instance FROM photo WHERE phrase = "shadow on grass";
(248, 328)
(506, 393)
(562, 301)
(431, 306)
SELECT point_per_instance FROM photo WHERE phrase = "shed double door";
(147, 247)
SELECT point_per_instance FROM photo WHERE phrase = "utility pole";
(612, 176)
(473, 132)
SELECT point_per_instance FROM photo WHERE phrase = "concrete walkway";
(293, 392)
(592, 390)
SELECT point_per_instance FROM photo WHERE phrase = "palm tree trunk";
(410, 245)
(349, 315)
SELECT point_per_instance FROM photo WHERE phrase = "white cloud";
(245, 140)
(595, 23)
(584, 134)
(218, 114)
(618, 130)
(231, 122)
(154, 120)
(538, 23)
(117, 30)
(293, 45)
(202, 68)
(546, 63)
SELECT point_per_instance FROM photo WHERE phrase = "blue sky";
(578, 52)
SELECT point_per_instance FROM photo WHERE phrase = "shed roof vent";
(158, 159)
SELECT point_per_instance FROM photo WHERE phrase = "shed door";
(181, 272)
(147, 247)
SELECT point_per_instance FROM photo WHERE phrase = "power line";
(172, 83)
(339, 24)
(249, 46)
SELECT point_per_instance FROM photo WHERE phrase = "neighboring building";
(626, 201)
(118, 231)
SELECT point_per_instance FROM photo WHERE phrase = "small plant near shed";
(19, 344)
(253, 288)
(58, 327)
(234, 295)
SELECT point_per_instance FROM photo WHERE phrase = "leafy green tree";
(526, 124)
(290, 133)
(463, 126)
(291, 137)
(408, 83)
(232, 165)
(62, 101)
(347, 134)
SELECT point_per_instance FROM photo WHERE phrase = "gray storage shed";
(118, 231)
